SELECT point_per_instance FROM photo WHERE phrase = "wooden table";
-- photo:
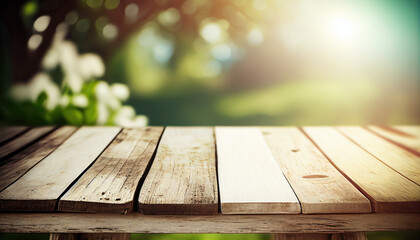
(106, 182)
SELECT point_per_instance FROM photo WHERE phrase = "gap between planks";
(250, 180)
(182, 178)
(58, 170)
(110, 184)
(319, 186)
(387, 189)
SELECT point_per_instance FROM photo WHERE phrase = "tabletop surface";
(210, 170)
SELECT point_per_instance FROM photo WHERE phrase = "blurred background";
(197, 62)
(202, 62)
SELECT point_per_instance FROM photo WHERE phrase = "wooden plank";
(319, 186)
(301, 236)
(110, 184)
(7, 133)
(182, 179)
(405, 136)
(220, 223)
(104, 236)
(23, 140)
(250, 180)
(397, 158)
(387, 189)
(64, 236)
(20, 163)
(40, 188)
(349, 236)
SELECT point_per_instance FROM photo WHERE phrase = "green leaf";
(73, 116)
(41, 98)
(91, 114)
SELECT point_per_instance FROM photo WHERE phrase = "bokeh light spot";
(71, 17)
(255, 37)
(42, 23)
(110, 31)
(131, 12)
(211, 32)
(34, 41)
(83, 25)
(111, 4)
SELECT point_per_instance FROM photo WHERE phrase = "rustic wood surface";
(20, 163)
(405, 136)
(318, 185)
(388, 190)
(322, 164)
(7, 133)
(404, 162)
(23, 140)
(40, 188)
(221, 223)
(182, 178)
(250, 180)
(110, 184)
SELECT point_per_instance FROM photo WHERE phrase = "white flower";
(80, 100)
(74, 81)
(121, 91)
(90, 65)
(140, 121)
(20, 93)
(42, 82)
(64, 101)
(68, 55)
(102, 91)
(50, 59)
(104, 94)
(126, 117)
(103, 114)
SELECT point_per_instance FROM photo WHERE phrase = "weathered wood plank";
(250, 180)
(23, 140)
(182, 179)
(301, 236)
(319, 186)
(397, 158)
(20, 163)
(405, 136)
(349, 236)
(7, 133)
(64, 236)
(220, 223)
(105, 236)
(40, 188)
(111, 182)
(387, 189)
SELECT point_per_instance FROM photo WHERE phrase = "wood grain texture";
(401, 160)
(301, 236)
(182, 179)
(405, 136)
(111, 182)
(64, 236)
(319, 186)
(250, 180)
(20, 163)
(40, 188)
(23, 140)
(387, 189)
(349, 236)
(7, 133)
(220, 223)
(104, 236)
